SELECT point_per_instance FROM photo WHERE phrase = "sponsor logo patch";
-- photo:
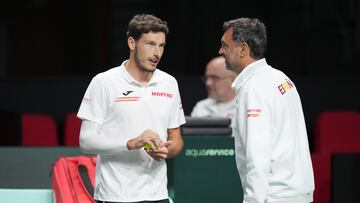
(162, 94)
(253, 112)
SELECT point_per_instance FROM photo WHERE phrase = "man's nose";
(157, 51)
(209, 82)
(221, 51)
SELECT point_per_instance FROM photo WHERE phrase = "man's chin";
(149, 69)
(228, 66)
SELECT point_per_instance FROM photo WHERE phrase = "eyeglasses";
(214, 78)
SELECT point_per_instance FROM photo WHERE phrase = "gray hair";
(250, 31)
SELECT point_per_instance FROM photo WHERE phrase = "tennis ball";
(147, 146)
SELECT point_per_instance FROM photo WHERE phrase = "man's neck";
(246, 62)
(139, 75)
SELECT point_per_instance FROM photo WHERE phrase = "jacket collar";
(247, 72)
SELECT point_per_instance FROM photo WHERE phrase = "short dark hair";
(250, 31)
(145, 23)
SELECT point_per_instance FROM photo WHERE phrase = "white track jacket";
(272, 152)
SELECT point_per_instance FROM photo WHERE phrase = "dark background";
(83, 37)
(50, 50)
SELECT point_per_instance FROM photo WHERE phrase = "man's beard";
(228, 65)
(232, 66)
(140, 65)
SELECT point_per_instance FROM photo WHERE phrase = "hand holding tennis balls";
(148, 139)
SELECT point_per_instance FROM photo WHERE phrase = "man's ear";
(244, 49)
(131, 43)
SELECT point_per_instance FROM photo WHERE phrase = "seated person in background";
(221, 98)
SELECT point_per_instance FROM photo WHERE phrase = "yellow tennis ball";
(147, 146)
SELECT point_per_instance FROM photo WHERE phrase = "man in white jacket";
(272, 152)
